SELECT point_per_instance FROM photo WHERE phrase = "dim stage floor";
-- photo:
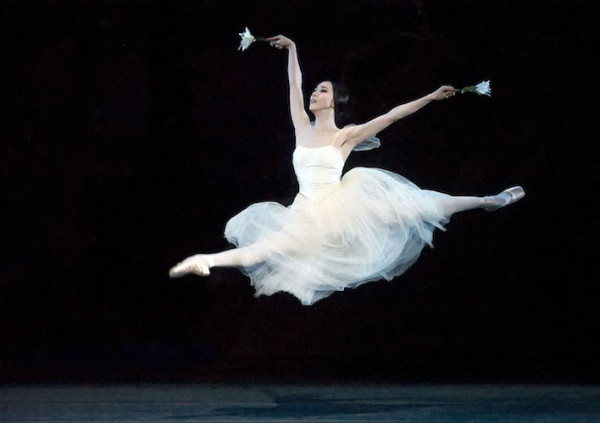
(288, 403)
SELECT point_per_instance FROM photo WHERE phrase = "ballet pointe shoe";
(514, 195)
(198, 265)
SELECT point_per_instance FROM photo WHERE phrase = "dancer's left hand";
(445, 91)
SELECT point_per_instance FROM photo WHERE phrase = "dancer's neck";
(325, 119)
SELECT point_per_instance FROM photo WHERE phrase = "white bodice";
(318, 170)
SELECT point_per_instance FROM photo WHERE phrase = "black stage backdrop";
(131, 131)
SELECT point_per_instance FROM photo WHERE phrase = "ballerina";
(339, 232)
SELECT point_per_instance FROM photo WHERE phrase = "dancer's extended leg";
(200, 264)
(455, 204)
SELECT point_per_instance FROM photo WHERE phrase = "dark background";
(131, 131)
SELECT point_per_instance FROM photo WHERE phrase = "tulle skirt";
(372, 227)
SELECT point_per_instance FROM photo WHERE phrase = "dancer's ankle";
(210, 260)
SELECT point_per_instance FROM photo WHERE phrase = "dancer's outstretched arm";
(300, 118)
(353, 135)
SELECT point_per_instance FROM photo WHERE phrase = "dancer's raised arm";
(300, 118)
(358, 133)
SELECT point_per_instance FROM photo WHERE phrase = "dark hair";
(341, 96)
(340, 93)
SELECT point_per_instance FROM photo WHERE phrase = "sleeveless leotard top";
(318, 171)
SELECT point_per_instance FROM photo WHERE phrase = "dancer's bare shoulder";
(313, 137)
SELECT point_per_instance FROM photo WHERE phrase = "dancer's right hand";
(280, 41)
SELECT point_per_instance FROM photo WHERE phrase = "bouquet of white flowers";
(483, 88)
(247, 38)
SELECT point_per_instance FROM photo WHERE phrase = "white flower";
(483, 88)
(247, 39)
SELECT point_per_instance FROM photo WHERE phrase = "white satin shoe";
(514, 195)
(198, 265)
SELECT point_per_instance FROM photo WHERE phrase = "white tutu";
(371, 225)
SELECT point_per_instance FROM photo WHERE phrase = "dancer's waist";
(318, 191)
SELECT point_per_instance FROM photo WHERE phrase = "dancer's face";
(322, 97)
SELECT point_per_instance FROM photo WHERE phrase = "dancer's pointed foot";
(506, 197)
(198, 265)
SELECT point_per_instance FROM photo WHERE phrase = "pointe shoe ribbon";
(515, 194)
